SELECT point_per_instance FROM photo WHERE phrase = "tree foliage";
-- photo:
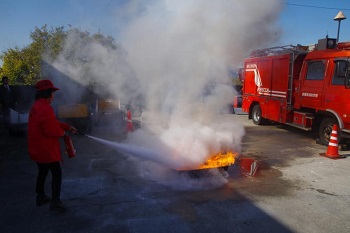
(24, 65)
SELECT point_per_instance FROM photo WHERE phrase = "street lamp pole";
(339, 17)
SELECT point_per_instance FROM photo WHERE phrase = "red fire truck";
(306, 89)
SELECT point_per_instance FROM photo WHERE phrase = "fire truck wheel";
(256, 115)
(325, 130)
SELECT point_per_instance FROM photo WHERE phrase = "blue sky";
(302, 22)
(305, 25)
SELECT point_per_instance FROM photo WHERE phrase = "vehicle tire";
(325, 130)
(256, 115)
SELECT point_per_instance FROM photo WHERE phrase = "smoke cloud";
(176, 57)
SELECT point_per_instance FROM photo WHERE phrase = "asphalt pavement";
(296, 190)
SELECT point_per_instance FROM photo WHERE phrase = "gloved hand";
(73, 130)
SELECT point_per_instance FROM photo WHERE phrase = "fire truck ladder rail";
(299, 49)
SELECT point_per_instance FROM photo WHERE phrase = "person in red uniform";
(44, 131)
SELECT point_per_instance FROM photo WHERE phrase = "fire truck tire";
(325, 130)
(256, 115)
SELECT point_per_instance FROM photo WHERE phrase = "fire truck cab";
(306, 89)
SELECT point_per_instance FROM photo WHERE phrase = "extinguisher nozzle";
(81, 133)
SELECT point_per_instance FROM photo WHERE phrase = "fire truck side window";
(315, 70)
(339, 72)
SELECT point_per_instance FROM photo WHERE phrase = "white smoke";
(177, 57)
(179, 49)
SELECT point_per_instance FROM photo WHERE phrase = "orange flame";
(222, 159)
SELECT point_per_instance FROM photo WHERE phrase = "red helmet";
(44, 85)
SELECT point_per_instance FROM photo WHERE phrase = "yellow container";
(106, 105)
(73, 111)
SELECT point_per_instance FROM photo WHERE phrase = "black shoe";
(56, 205)
(42, 199)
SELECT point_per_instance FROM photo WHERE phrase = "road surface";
(296, 190)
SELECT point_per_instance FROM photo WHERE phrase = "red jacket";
(44, 131)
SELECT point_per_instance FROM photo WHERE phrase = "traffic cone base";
(332, 150)
(333, 157)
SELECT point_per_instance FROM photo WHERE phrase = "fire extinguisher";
(69, 145)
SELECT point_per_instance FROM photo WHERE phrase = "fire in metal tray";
(222, 159)
(249, 166)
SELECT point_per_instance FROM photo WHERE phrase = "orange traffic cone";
(332, 150)
(129, 125)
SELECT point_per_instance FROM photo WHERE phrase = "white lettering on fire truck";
(263, 90)
(314, 95)
(251, 66)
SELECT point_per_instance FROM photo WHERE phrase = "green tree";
(16, 65)
(24, 66)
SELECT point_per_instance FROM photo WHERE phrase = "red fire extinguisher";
(69, 146)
